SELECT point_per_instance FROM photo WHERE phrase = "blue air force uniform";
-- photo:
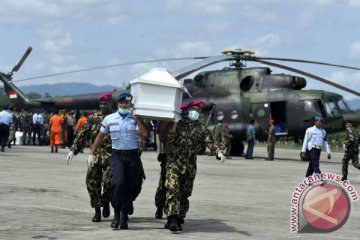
(5, 121)
(126, 169)
(314, 141)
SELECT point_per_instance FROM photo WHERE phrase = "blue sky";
(68, 35)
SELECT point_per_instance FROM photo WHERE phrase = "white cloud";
(57, 45)
(204, 7)
(324, 3)
(217, 28)
(66, 68)
(355, 50)
(270, 40)
(354, 3)
(258, 14)
(193, 49)
(61, 59)
(114, 20)
(305, 19)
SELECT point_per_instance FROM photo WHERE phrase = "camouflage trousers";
(271, 150)
(160, 195)
(179, 187)
(227, 147)
(12, 137)
(350, 155)
(98, 180)
(26, 138)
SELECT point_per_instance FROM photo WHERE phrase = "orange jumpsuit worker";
(55, 130)
(80, 123)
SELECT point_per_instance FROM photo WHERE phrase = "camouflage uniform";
(352, 150)
(226, 140)
(183, 147)
(271, 143)
(160, 195)
(99, 174)
(26, 122)
(12, 129)
(45, 131)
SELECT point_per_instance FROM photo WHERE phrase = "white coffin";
(18, 138)
(157, 95)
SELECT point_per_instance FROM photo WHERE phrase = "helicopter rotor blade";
(22, 60)
(185, 71)
(110, 66)
(323, 80)
(307, 61)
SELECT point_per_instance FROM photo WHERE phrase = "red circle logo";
(326, 207)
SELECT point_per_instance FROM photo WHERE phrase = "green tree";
(33, 95)
(47, 95)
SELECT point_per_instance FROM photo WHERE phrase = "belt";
(126, 152)
(317, 147)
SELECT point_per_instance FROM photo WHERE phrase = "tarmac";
(43, 198)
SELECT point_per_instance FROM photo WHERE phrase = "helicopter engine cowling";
(276, 81)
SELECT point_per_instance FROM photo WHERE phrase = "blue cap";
(124, 97)
(5, 107)
(317, 118)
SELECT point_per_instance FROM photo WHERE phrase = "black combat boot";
(106, 210)
(2, 149)
(97, 216)
(124, 220)
(173, 223)
(56, 148)
(115, 223)
(52, 150)
(159, 213)
(344, 178)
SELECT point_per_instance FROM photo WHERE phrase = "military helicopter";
(238, 93)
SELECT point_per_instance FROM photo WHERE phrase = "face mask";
(193, 115)
(124, 110)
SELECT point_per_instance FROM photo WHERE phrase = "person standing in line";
(127, 173)
(13, 128)
(98, 175)
(81, 122)
(227, 137)
(185, 139)
(5, 121)
(26, 123)
(271, 140)
(314, 141)
(351, 146)
(251, 139)
(38, 122)
(55, 122)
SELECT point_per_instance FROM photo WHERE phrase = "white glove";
(69, 157)
(91, 161)
(221, 156)
(344, 147)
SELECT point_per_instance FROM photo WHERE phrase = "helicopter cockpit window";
(311, 106)
(343, 106)
(336, 107)
(331, 108)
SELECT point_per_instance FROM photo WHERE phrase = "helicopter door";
(278, 114)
